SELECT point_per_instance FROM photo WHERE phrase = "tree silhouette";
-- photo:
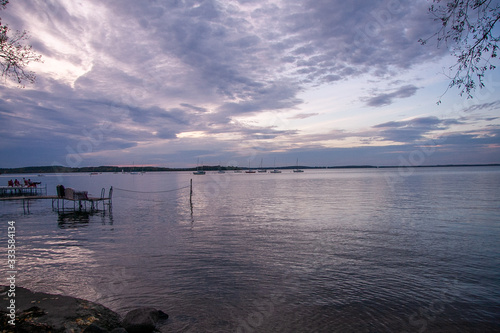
(14, 54)
(467, 28)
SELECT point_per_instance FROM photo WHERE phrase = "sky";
(177, 83)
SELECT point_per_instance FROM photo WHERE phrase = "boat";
(199, 170)
(297, 169)
(133, 168)
(249, 170)
(220, 169)
(275, 170)
(260, 169)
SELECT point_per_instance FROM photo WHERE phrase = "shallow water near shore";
(325, 250)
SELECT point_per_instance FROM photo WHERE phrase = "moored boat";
(260, 169)
(297, 169)
(199, 170)
(275, 170)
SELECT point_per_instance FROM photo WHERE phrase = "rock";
(41, 312)
(143, 320)
(93, 328)
(119, 330)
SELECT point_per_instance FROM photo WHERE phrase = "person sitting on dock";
(10, 183)
(16, 183)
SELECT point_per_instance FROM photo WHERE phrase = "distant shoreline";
(117, 169)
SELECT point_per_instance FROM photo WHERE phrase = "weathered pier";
(66, 200)
(17, 191)
(80, 200)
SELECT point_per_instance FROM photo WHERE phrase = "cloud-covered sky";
(169, 83)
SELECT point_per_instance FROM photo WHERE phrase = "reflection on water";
(73, 219)
(77, 218)
(320, 251)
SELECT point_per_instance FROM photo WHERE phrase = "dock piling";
(191, 195)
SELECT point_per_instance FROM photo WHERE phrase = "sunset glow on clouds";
(169, 82)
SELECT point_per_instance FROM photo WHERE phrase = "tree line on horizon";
(118, 169)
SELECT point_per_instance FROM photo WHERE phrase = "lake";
(338, 250)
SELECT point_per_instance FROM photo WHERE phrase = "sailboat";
(275, 170)
(249, 170)
(297, 169)
(133, 172)
(260, 169)
(220, 169)
(198, 170)
(93, 173)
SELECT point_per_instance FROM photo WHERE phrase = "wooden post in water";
(191, 193)
(191, 200)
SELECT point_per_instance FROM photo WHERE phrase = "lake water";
(352, 250)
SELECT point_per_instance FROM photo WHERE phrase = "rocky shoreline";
(41, 312)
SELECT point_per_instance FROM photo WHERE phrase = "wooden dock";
(70, 201)
(81, 202)
(20, 191)
(30, 197)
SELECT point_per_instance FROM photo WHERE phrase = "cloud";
(384, 99)
(486, 137)
(195, 108)
(234, 49)
(304, 115)
(273, 97)
(143, 73)
(399, 132)
(495, 105)
(423, 122)
(413, 130)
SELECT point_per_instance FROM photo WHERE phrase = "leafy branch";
(15, 55)
(467, 28)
